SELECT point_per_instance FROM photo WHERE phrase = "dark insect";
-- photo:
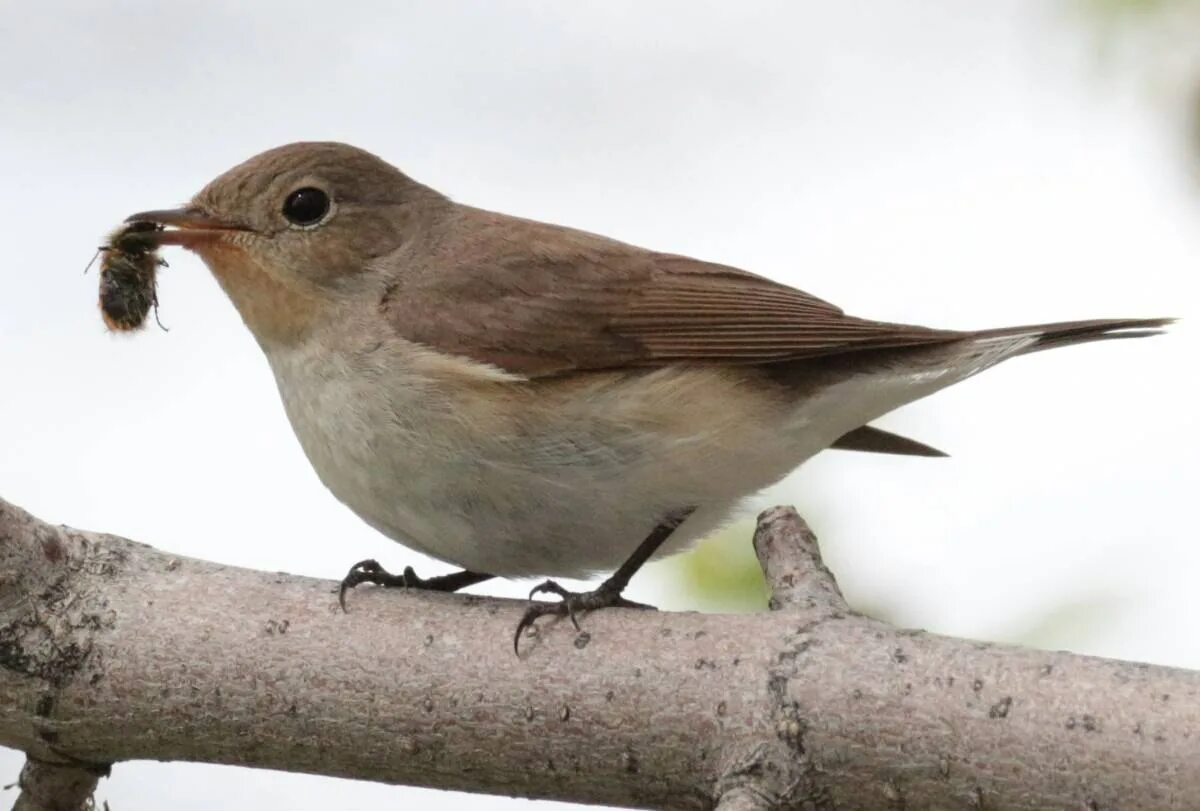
(128, 288)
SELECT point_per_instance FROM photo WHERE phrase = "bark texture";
(56, 787)
(111, 651)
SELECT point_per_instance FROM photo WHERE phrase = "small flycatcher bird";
(520, 398)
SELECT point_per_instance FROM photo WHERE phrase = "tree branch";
(791, 561)
(53, 787)
(112, 651)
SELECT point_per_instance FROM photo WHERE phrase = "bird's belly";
(468, 475)
(494, 506)
(380, 458)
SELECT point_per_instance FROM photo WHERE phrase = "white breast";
(370, 443)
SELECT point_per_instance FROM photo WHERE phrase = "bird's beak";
(188, 226)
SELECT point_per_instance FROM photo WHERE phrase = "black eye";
(306, 206)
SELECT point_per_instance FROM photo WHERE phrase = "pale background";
(953, 164)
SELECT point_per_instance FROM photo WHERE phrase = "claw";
(369, 571)
(527, 620)
(608, 594)
(570, 604)
(362, 572)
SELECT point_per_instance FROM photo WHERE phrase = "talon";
(369, 571)
(360, 572)
(570, 604)
(527, 619)
(532, 614)
(549, 587)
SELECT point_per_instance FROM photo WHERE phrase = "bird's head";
(293, 231)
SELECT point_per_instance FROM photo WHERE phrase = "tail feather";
(1066, 333)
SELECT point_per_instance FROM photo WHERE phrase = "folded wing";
(540, 300)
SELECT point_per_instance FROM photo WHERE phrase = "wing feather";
(537, 299)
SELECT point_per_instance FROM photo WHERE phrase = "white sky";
(961, 165)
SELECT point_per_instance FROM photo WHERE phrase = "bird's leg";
(369, 571)
(608, 593)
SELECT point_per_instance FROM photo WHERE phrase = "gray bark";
(56, 787)
(111, 651)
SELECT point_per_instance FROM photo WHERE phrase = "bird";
(524, 399)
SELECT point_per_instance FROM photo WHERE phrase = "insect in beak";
(128, 276)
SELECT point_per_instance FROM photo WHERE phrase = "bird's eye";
(306, 206)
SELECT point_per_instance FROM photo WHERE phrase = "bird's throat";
(279, 314)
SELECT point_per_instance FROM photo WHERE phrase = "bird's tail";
(1066, 333)
(885, 379)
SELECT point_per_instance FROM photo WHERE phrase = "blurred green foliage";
(1069, 625)
(1111, 7)
(720, 575)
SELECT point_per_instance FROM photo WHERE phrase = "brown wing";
(537, 300)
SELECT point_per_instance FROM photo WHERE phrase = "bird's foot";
(369, 571)
(570, 604)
